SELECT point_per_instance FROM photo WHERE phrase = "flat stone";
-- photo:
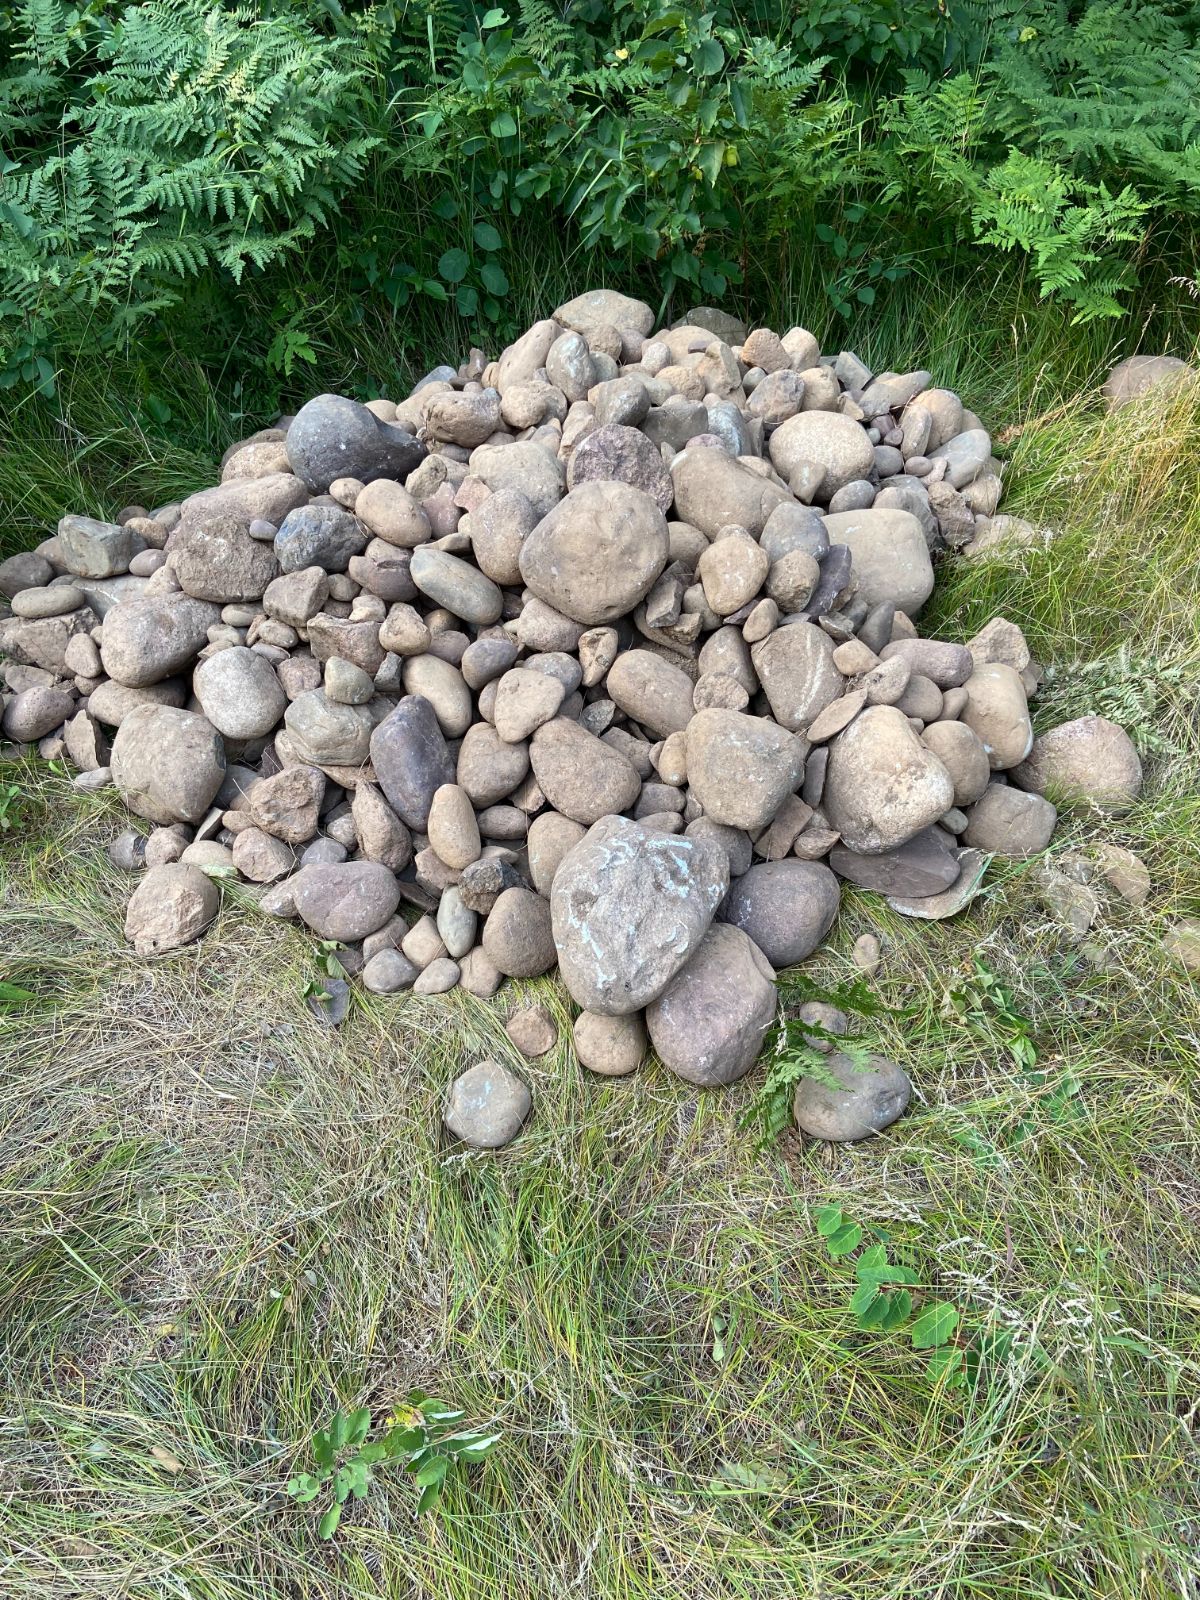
(345, 902)
(925, 865)
(972, 865)
(707, 1026)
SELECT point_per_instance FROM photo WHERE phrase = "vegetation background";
(221, 1221)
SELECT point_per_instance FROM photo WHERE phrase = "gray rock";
(150, 639)
(457, 585)
(712, 489)
(411, 759)
(597, 553)
(319, 536)
(997, 711)
(966, 455)
(709, 1023)
(333, 437)
(325, 733)
(947, 665)
(867, 1100)
(486, 1106)
(456, 923)
(629, 907)
(882, 785)
(1089, 764)
(25, 570)
(345, 902)
(524, 466)
(786, 907)
(925, 865)
(1007, 821)
(95, 549)
(741, 768)
(517, 936)
(889, 556)
(835, 443)
(799, 679)
(651, 691)
(610, 1046)
(56, 601)
(214, 558)
(581, 776)
(622, 454)
(489, 769)
(239, 693)
(168, 764)
(972, 865)
(1137, 374)
(34, 712)
(171, 906)
(388, 972)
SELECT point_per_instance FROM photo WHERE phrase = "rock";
(869, 1098)
(524, 701)
(834, 443)
(239, 693)
(925, 865)
(597, 553)
(333, 437)
(883, 786)
(1123, 871)
(741, 768)
(713, 489)
(214, 558)
(1181, 941)
(488, 768)
(452, 828)
(478, 976)
(33, 713)
(295, 597)
(972, 864)
(610, 1046)
(709, 1023)
(1088, 764)
(517, 937)
(457, 585)
(966, 455)
(1137, 374)
(171, 906)
(532, 1030)
(261, 858)
(889, 556)
(651, 691)
(346, 684)
(168, 764)
(962, 753)
(616, 453)
(325, 733)
(25, 570)
(1073, 905)
(786, 907)
(551, 838)
(53, 602)
(319, 536)
(867, 954)
(629, 907)
(998, 712)
(581, 776)
(287, 805)
(388, 972)
(948, 665)
(93, 549)
(1000, 640)
(799, 679)
(523, 466)
(486, 1106)
(411, 759)
(1006, 821)
(346, 902)
(150, 639)
(381, 835)
(732, 570)
(456, 923)
(605, 307)
(128, 851)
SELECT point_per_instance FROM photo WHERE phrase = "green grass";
(221, 1220)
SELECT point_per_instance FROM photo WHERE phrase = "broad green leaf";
(430, 1496)
(847, 1238)
(434, 1470)
(486, 236)
(495, 18)
(708, 57)
(935, 1326)
(876, 1314)
(872, 1258)
(863, 1298)
(453, 265)
(494, 279)
(945, 1363)
(467, 300)
(829, 1220)
(865, 294)
(503, 125)
(898, 1312)
(328, 1524)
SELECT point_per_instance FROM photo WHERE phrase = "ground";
(221, 1220)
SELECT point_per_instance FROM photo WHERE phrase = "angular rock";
(741, 768)
(288, 805)
(171, 906)
(95, 549)
(318, 536)
(925, 865)
(411, 759)
(214, 558)
(486, 1106)
(882, 785)
(168, 764)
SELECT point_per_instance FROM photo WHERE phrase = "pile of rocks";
(601, 654)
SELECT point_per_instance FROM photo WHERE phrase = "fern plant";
(172, 137)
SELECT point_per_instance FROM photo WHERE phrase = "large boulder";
(713, 489)
(150, 639)
(709, 1023)
(246, 500)
(629, 906)
(167, 764)
(606, 308)
(742, 768)
(882, 785)
(214, 558)
(889, 556)
(1089, 764)
(835, 443)
(333, 437)
(786, 907)
(597, 553)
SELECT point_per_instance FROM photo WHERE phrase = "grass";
(222, 1220)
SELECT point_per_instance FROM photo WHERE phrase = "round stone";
(597, 553)
(741, 768)
(581, 776)
(868, 1098)
(517, 935)
(486, 1106)
(346, 902)
(709, 1023)
(882, 784)
(611, 1046)
(786, 907)
(1089, 764)
(835, 443)
(171, 906)
(456, 584)
(239, 693)
(168, 764)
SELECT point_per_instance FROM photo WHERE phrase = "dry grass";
(221, 1219)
